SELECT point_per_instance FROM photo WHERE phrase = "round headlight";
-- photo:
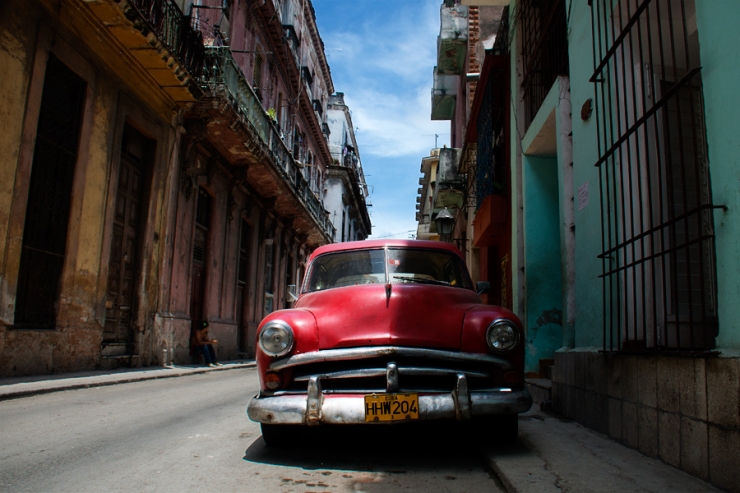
(502, 336)
(276, 338)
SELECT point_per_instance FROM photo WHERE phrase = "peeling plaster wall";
(161, 318)
(28, 352)
(18, 33)
(75, 342)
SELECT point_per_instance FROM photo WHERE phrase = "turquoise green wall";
(588, 320)
(717, 28)
(718, 40)
(542, 263)
(716, 22)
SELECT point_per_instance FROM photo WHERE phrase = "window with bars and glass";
(544, 54)
(659, 290)
(49, 196)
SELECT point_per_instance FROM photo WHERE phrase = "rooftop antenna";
(436, 136)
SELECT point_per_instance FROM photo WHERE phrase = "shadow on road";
(393, 449)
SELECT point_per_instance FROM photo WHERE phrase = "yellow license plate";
(391, 407)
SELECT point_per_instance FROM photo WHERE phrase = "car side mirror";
(483, 287)
(292, 293)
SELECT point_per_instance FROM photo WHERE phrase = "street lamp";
(445, 224)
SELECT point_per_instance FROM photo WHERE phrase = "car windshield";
(404, 265)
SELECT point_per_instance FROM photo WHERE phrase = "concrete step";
(120, 361)
(540, 389)
(116, 348)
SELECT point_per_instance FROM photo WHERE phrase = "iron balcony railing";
(222, 74)
(172, 27)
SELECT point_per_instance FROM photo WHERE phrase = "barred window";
(49, 196)
(544, 50)
(656, 207)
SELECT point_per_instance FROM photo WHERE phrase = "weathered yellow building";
(146, 183)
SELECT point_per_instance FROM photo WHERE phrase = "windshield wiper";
(421, 280)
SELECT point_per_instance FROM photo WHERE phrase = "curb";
(95, 381)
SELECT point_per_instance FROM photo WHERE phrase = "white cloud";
(384, 68)
(401, 42)
(391, 125)
(382, 55)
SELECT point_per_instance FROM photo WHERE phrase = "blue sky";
(381, 54)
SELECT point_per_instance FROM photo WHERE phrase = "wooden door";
(123, 266)
(200, 240)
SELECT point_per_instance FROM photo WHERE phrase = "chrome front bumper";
(315, 407)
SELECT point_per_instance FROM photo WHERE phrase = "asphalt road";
(192, 434)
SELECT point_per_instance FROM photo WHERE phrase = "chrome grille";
(372, 370)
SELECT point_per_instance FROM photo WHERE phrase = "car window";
(427, 266)
(405, 265)
(335, 270)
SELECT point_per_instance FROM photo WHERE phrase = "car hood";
(416, 315)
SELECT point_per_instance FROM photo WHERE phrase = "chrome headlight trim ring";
(498, 324)
(280, 329)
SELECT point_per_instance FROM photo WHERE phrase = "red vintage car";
(389, 331)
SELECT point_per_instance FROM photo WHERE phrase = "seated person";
(201, 344)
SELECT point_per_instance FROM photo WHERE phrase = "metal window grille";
(490, 158)
(544, 50)
(501, 44)
(49, 196)
(257, 79)
(656, 208)
(484, 155)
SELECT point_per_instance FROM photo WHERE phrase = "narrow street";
(192, 434)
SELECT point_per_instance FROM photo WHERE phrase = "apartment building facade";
(346, 189)
(164, 166)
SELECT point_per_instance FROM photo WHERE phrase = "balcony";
(450, 188)
(452, 43)
(242, 131)
(158, 52)
(444, 95)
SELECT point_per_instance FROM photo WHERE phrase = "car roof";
(374, 244)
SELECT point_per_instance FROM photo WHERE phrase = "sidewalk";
(13, 388)
(556, 455)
